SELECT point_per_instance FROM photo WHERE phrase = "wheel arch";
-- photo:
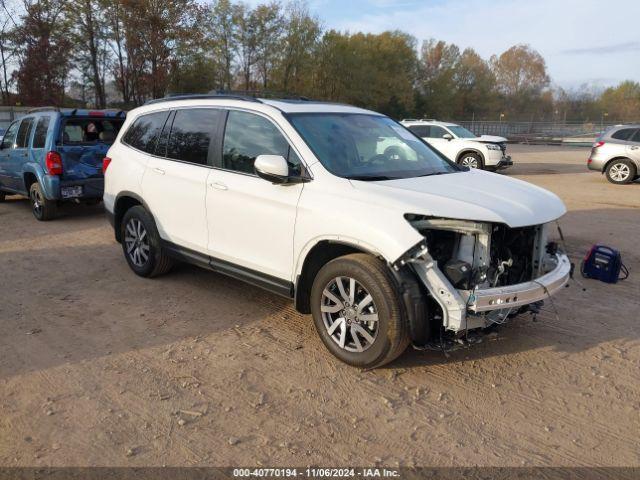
(316, 256)
(619, 157)
(467, 150)
(125, 201)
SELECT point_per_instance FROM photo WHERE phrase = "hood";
(490, 139)
(474, 195)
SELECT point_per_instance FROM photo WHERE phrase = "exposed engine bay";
(481, 274)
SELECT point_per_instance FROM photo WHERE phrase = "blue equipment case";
(603, 263)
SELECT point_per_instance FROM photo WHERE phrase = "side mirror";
(447, 136)
(273, 168)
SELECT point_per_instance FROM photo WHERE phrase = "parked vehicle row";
(616, 153)
(53, 155)
(382, 238)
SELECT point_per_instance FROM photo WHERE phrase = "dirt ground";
(99, 367)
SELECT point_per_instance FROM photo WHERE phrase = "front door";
(20, 154)
(251, 221)
(633, 148)
(8, 142)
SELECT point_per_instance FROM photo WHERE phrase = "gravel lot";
(99, 367)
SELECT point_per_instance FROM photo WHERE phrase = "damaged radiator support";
(481, 273)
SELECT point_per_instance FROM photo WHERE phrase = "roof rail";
(410, 120)
(43, 109)
(200, 96)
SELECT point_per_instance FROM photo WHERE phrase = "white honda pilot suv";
(365, 226)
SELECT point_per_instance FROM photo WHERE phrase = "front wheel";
(471, 160)
(141, 244)
(621, 171)
(356, 311)
(42, 208)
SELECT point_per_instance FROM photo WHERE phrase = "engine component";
(459, 273)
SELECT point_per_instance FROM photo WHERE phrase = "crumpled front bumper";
(484, 300)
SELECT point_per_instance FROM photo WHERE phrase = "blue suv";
(53, 155)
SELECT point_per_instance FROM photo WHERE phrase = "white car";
(383, 246)
(459, 145)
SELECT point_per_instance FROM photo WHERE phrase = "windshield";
(462, 132)
(367, 147)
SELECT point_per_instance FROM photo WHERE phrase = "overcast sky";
(583, 41)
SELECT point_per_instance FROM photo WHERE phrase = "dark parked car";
(53, 155)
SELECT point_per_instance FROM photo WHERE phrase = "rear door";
(83, 143)
(8, 142)
(175, 180)
(20, 153)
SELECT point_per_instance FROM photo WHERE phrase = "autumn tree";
(90, 37)
(44, 64)
(622, 102)
(521, 75)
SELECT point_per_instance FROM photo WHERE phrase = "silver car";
(616, 153)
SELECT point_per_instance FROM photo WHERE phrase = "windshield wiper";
(434, 173)
(369, 178)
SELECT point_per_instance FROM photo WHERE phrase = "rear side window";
(636, 137)
(144, 131)
(246, 136)
(40, 136)
(623, 134)
(191, 134)
(420, 130)
(24, 132)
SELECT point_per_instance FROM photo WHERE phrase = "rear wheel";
(470, 160)
(141, 244)
(42, 208)
(356, 311)
(621, 171)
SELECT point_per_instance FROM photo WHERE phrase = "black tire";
(43, 209)
(621, 171)
(157, 261)
(392, 329)
(2, 196)
(465, 159)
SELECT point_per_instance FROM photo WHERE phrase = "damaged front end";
(480, 274)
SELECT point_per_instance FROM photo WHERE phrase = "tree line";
(120, 53)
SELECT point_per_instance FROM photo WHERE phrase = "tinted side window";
(191, 134)
(24, 132)
(40, 136)
(420, 130)
(623, 134)
(144, 131)
(246, 136)
(10, 136)
(636, 137)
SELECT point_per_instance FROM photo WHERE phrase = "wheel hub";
(349, 314)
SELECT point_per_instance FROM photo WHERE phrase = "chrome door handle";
(218, 186)
(159, 170)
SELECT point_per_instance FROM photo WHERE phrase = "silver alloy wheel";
(36, 200)
(619, 172)
(137, 242)
(469, 162)
(349, 314)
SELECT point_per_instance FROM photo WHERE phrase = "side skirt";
(267, 282)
